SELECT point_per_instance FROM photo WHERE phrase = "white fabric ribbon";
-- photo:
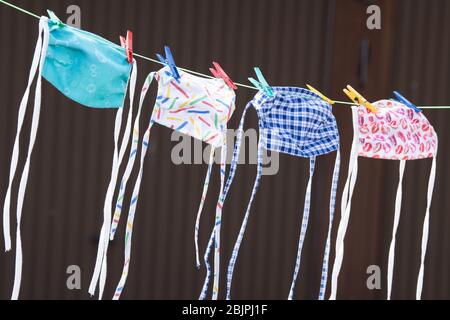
(129, 169)
(346, 204)
(304, 227)
(101, 261)
(426, 226)
(131, 214)
(326, 255)
(398, 207)
(21, 116)
(38, 61)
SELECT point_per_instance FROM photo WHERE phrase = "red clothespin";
(218, 72)
(128, 45)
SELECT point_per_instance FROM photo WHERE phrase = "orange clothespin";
(311, 88)
(128, 45)
(357, 98)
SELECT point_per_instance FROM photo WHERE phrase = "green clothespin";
(261, 84)
(53, 17)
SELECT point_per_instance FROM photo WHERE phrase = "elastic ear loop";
(40, 53)
(425, 231)
(334, 186)
(346, 205)
(304, 227)
(398, 207)
(101, 260)
(202, 202)
(221, 201)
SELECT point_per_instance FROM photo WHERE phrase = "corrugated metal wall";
(294, 42)
(409, 54)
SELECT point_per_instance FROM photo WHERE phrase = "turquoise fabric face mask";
(89, 70)
(85, 67)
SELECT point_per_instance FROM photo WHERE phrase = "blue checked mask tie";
(297, 122)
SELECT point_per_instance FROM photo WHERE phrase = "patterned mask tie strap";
(237, 245)
(202, 202)
(426, 226)
(326, 255)
(132, 157)
(304, 227)
(208, 267)
(16, 148)
(218, 224)
(222, 198)
(131, 214)
(100, 269)
(346, 204)
(398, 207)
(43, 28)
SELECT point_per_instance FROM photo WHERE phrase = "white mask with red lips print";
(395, 132)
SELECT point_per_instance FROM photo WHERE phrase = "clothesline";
(198, 73)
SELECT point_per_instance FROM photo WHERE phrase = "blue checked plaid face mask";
(297, 122)
(87, 69)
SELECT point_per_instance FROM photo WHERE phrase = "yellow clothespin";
(357, 98)
(311, 88)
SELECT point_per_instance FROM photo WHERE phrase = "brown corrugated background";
(295, 42)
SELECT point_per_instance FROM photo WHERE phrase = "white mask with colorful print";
(195, 106)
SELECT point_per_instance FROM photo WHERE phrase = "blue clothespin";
(261, 83)
(405, 101)
(170, 62)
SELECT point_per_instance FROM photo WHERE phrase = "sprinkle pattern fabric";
(194, 106)
(202, 203)
(191, 105)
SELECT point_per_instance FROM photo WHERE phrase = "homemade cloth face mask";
(296, 122)
(395, 132)
(191, 105)
(87, 69)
